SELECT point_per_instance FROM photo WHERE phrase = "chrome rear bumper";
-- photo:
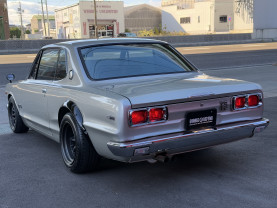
(185, 142)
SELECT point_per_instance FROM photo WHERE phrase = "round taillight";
(139, 117)
(156, 114)
(240, 102)
(253, 100)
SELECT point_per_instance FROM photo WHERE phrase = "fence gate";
(2, 31)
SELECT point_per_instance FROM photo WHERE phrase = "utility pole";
(95, 20)
(43, 21)
(47, 18)
(20, 11)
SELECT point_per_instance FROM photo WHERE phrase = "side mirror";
(10, 77)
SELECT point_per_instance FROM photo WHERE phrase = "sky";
(33, 7)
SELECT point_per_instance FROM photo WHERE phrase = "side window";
(48, 64)
(61, 66)
(35, 66)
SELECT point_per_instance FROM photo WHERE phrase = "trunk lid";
(159, 90)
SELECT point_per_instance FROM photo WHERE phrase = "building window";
(223, 18)
(198, 19)
(185, 20)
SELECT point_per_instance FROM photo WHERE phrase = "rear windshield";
(115, 61)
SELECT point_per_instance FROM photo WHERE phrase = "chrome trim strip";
(135, 144)
(164, 118)
(147, 122)
(260, 100)
(130, 117)
(246, 101)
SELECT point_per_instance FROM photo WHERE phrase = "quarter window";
(61, 66)
(47, 66)
(35, 66)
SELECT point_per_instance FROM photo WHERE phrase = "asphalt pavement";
(239, 174)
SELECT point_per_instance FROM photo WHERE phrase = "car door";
(33, 99)
(57, 94)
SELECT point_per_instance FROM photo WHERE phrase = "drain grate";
(5, 129)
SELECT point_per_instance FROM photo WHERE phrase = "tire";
(77, 150)
(15, 120)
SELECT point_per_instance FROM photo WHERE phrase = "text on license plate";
(200, 119)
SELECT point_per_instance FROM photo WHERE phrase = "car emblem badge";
(223, 106)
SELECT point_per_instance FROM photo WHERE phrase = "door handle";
(44, 90)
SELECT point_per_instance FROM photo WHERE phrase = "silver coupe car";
(129, 100)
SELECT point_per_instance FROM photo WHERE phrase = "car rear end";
(161, 131)
(173, 108)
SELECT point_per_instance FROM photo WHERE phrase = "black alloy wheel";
(68, 144)
(77, 150)
(16, 123)
(12, 116)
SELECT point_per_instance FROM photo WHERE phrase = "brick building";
(4, 21)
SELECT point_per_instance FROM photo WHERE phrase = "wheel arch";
(71, 107)
(9, 96)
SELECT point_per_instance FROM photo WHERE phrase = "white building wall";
(208, 12)
(223, 8)
(171, 17)
(68, 22)
(108, 12)
(75, 21)
(243, 16)
(265, 19)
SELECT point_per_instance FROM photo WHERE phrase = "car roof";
(91, 42)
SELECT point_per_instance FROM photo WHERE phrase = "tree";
(15, 32)
(28, 32)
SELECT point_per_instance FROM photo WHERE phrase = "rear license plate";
(199, 119)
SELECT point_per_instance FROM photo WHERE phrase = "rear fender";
(72, 107)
